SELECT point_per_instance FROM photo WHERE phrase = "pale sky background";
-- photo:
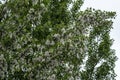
(110, 5)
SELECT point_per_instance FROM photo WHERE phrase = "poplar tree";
(55, 40)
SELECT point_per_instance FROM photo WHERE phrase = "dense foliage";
(55, 40)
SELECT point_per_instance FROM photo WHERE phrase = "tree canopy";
(55, 40)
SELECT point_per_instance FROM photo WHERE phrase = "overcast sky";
(110, 5)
